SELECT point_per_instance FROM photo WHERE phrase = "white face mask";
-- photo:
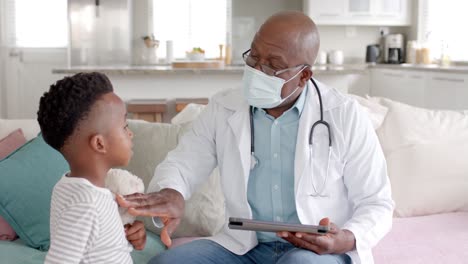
(262, 90)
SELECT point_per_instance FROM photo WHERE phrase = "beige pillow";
(204, 211)
(426, 152)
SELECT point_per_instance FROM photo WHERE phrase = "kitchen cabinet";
(399, 85)
(359, 12)
(447, 91)
(428, 89)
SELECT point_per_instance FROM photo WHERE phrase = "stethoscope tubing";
(254, 160)
(320, 121)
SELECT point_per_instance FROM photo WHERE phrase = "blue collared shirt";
(271, 183)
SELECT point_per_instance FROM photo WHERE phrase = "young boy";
(82, 118)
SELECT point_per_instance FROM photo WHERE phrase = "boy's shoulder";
(73, 190)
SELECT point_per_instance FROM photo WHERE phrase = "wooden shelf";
(148, 110)
(181, 103)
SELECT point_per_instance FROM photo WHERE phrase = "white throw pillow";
(426, 152)
(374, 109)
(188, 114)
(30, 127)
(407, 125)
(204, 211)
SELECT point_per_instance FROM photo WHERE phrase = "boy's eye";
(126, 126)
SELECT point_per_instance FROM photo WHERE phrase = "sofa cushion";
(18, 252)
(27, 178)
(441, 238)
(426, 154)
(8, 145)
(30, 127)
(204, 211)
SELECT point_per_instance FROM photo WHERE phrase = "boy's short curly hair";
(68, 102)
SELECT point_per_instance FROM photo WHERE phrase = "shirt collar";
(299, 105)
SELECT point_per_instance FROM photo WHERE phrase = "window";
(190, 24)
(37, 24)
(442, 27)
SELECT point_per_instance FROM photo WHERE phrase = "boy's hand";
(136, 234)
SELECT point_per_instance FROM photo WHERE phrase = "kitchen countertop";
(239, 69)
(168, 70)
(422, 67)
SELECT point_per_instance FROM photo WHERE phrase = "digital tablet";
(265, 226)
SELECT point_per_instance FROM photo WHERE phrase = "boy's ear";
(97, 143)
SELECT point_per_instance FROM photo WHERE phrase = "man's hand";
(168, 204)
(336, 241)
(136, 234)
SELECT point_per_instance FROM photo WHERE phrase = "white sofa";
(426, 153)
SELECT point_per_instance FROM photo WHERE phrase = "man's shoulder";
(332, 98)
(231, 99)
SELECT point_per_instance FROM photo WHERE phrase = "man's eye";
(253, 58)
(275, 67)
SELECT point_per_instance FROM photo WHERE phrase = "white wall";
(28, 78)
(248, 15)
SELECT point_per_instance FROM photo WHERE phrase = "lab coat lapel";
(310, 115)
(240, 126)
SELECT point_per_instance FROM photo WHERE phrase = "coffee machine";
(393, 48)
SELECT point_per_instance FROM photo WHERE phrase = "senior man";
(289, 149)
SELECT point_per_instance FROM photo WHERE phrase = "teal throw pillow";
(27, 178)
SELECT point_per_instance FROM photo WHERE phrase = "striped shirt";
(85, 225)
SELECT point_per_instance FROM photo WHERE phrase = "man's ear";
(306, 74)
(97, 143)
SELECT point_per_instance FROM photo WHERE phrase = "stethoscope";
(254, 160)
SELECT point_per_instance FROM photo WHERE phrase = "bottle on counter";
(411, 52)
(221, 48)
(169, 51)
(425, 54)
(444, 57)
(227, 54)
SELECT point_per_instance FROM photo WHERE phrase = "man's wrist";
(172, 191)
(349, 241)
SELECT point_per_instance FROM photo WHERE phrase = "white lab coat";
(358, 189)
